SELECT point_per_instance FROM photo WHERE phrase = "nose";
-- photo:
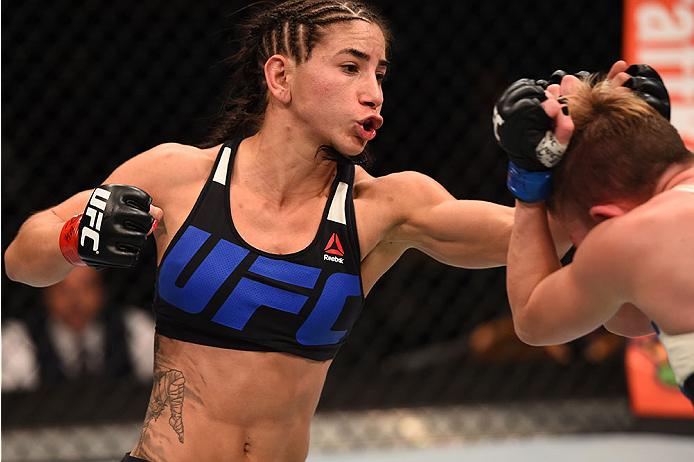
(372, 93)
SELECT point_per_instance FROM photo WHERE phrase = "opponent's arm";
(552, 304)
(629, 321)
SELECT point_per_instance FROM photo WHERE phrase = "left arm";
(552, 304)
(463, 233)
(629, 321)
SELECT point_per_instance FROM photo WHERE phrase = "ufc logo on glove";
(95, 212)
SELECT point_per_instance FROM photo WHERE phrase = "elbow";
(17, 269)
(528, 330)
(527, 336)
(629, 331)
(10, 265)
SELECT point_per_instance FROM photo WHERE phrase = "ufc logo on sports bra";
(95, 212)
(248, 295)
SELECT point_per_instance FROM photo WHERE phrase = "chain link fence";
(87, 85)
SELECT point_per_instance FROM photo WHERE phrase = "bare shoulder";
(649, 242)
(165, 166)
(663, 217)
(168, 161)
(409, 188)
(665, 220)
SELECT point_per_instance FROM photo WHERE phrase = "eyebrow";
(362, 55)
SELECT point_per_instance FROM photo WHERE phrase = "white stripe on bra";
(685, 187)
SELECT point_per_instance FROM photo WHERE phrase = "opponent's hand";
(558, 75)
(523, 128)
(111, 231)
(648, 85)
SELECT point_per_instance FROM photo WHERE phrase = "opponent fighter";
(624, 190)
(268, 242)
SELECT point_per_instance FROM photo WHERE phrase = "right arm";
(34, 256)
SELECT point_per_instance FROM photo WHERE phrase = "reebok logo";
(334, 248)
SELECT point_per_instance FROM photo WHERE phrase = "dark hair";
(619, 149)
(292, 28)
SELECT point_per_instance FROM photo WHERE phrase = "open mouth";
(369, 127)
(372, 123)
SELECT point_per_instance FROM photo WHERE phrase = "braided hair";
(292, 28)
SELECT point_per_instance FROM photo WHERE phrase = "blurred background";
(433, 358)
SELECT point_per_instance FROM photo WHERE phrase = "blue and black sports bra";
(215, 289)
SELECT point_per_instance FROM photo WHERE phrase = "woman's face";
(336, 95)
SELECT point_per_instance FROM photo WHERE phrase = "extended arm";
(463, 233)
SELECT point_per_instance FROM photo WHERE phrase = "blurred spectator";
(80, 337)
(496, 340)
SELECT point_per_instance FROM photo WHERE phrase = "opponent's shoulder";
(666, 216)
(630, 246)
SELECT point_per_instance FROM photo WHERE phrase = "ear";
(600, 213)
(277, 70)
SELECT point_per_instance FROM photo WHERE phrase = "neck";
(675, 175)
(281, 169)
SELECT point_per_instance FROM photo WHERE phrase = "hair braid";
(292, 28)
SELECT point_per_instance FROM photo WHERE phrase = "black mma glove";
(559, 74)
(112, 229)
(524, 131)
(648, 86)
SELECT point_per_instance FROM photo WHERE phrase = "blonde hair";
(619, 149)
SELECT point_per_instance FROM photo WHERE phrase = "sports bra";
(685, 187)
(215, 289)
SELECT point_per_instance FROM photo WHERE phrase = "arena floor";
(596, 430)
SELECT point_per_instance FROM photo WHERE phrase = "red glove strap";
(69, 239)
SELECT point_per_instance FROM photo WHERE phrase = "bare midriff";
(217, 404)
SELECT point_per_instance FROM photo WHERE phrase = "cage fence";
(87, 85)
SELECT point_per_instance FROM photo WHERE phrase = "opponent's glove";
(112, 229)
(648, 86)
(555, 78)
(524, 131)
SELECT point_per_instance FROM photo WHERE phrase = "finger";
(559, 113)
(619, 80)
(617, 67)
(569, 85)
(552, 107)
(158, 214)
(564, 125)
(553, 91)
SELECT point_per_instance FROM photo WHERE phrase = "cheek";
(326, 90)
